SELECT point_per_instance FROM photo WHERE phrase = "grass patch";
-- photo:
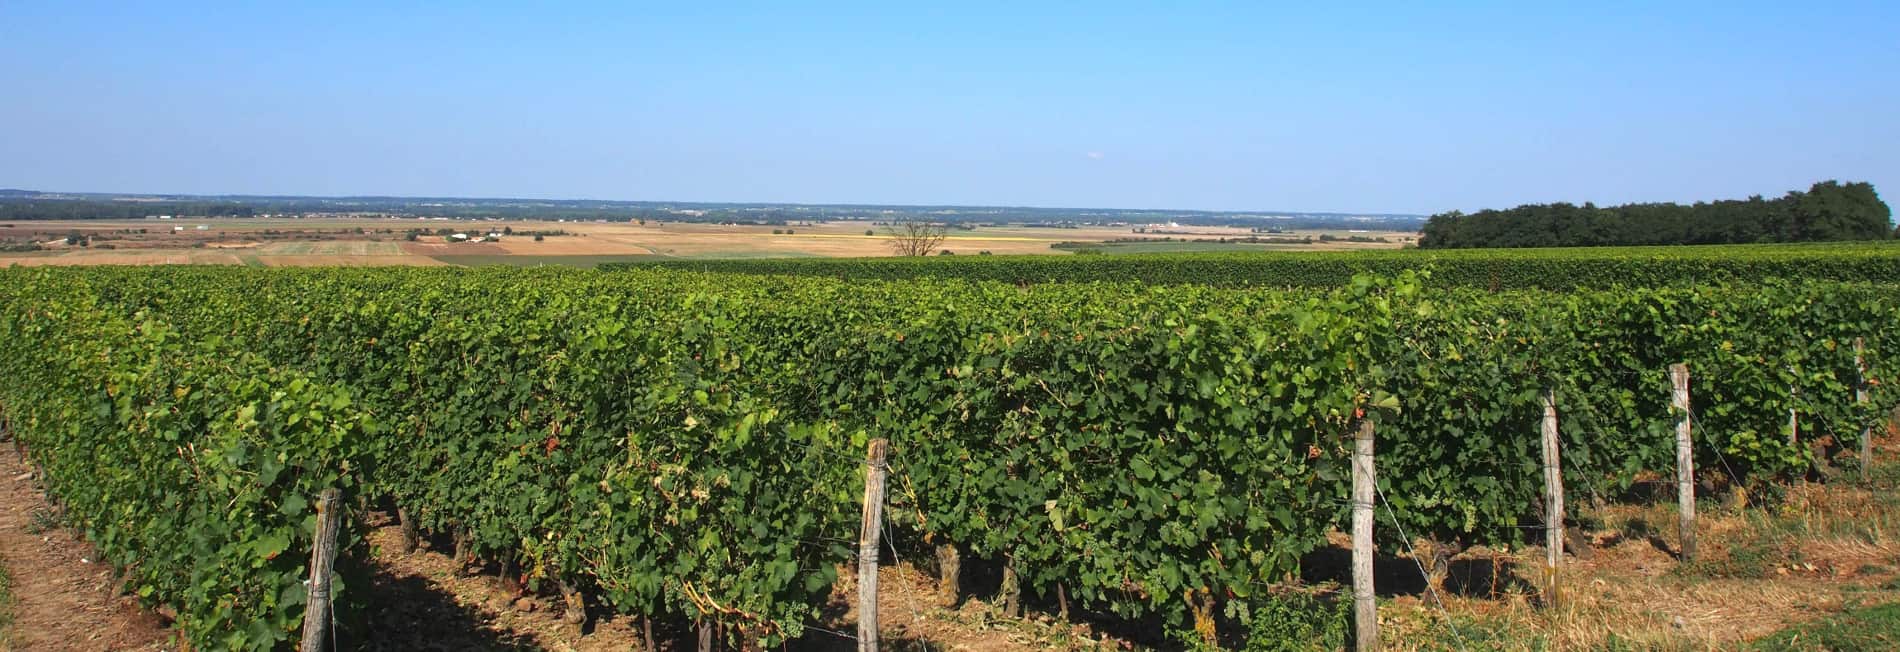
(44, 520)
(1867, 628)
(1753, 558)
(1791, 528)
(1293, 621)
(1464, 633)
(6, 606)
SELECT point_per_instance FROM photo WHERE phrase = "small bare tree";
(914, 237)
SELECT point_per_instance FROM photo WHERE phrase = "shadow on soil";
(407, 612)
(410, 614)
(1639, 529)
(1476, 577)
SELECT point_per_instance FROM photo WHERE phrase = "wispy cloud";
(1097, 155)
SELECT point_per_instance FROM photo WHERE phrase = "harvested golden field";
(359, 241)
(325, 260)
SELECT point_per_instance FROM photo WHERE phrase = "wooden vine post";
(1365, 608)
(1794, 419)
(1553, 502)
(1011, 589)
(874, 469)
(949, 574)
(1685, 459)
(1860, 396)
(6, 426)
(316, 614)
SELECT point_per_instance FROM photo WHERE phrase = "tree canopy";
(1829, 210)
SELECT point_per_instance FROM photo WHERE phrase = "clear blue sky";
(1400, 107)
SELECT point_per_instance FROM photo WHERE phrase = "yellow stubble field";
(361, 241)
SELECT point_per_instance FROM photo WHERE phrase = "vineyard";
(1550, 269)
(689, 447)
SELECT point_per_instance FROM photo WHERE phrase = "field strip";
(847, 236)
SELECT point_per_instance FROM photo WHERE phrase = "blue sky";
(1394, 107)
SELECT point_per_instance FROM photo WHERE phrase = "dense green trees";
(1829, 210)
(83, 209)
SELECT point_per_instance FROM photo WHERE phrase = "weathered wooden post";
(1794, 419)
(1553, 502)
(1685, 459)
(6, 426)
(1011, 590)
(316, 610)
(1860, 396)
(868, 542)
(949, 574)
(1365, 608)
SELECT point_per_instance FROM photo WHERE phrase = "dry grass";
(1819, 551)
(6, 605)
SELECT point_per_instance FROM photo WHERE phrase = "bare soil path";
(63, 598)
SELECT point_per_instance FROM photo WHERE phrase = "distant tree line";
(84, 209)
(27, 204)
(1827, 211)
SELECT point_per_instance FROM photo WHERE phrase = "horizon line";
(703, 202)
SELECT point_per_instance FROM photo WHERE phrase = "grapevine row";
(1550, 269)
(688, 446)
